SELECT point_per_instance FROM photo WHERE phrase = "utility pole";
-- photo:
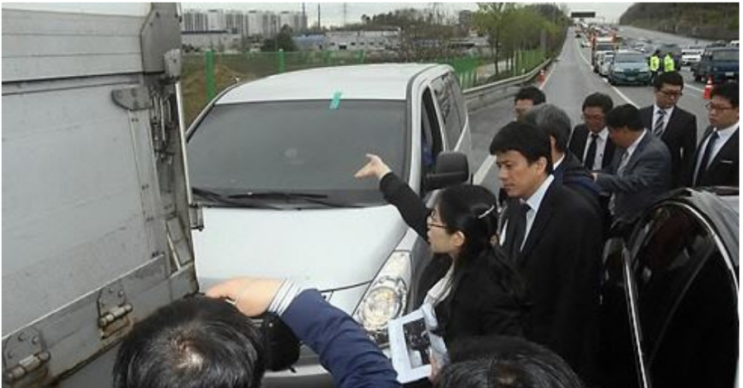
(319, 25)
(345, 13)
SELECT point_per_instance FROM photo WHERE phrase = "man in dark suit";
(640, 172)
(675, 126)
(716, 159)
(566, 168)
(590, 141)
(554, 238)
(527, 98)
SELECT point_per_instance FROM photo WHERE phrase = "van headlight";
(386, 298)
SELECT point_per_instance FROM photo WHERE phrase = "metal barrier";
(488, 94)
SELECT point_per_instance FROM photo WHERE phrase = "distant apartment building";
(375, 40)
(244, 23)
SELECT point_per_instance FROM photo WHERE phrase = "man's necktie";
(517, 230)
(658, 129)
(706, 156)
(591, 154)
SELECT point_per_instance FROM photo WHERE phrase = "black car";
(670, 295)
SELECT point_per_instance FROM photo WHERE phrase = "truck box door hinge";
(113, 309)
(24, 358)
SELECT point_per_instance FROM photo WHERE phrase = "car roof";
(720, 206)
(374, 82)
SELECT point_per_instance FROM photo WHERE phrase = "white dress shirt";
(724, 134)
(600, 149)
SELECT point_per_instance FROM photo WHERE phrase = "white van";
(271, 166)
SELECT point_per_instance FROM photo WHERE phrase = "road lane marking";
(489, 161)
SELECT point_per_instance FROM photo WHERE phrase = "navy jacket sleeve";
(408, 203)
(344, 349)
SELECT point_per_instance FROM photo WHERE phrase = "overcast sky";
(332, 13)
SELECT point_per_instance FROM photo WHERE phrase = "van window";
(450, 112)
(432, 142)
(687, 302)
(298, 146)
(725, 55)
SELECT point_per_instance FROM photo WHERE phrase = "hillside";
(711, 21)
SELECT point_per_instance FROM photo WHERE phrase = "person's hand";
(434, 369)
(374, 167)
(252, 296)
(595, 176)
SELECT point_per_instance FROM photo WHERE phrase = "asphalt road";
(569, 80)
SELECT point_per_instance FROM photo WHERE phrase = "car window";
(725, 55)
(629, 58)
(620, 354)
(432, 142)
(448, 105)
(297, 146)
(687, 301)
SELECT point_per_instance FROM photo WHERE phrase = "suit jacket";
(575, 176)
(723, 169)
(344, 348)
(680, 137)
(479, 304)
(645, 178)
(578, 141)
(560, 261)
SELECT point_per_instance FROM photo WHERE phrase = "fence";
(206, 74)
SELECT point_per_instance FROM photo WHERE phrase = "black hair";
(626, 115)
(532, 93)
(598, 100)
(191, 343)
(728, 91)
(505, 362)
(473, 211)
(525, 139)
(668, 77)
(553, 121)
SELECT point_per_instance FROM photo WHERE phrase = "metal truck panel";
(51, 45)
(96, 225)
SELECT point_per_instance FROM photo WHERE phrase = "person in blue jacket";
(207, 342)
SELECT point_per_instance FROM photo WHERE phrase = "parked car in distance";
(670, 295)
(271, 166)
(604, 63)
(691, 55)
(720, 63)
(629, 68)
(599, 48)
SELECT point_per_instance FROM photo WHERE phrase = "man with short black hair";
(205, 342)
(716, 162)
(567, 169)
(640, 173)
(526, 98)
(675, 126)
(560, 264)
(505, 362)
(590, 141)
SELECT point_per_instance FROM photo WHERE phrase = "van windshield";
(725, 55)
(308, 147)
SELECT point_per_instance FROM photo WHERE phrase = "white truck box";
(96, 230)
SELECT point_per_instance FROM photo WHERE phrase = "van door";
(621, 353)
(687, 300)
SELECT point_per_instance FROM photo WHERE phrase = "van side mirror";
(451, 168)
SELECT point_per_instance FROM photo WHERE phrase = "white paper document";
(413, 345)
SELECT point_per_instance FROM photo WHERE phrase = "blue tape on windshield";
(336, 100)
